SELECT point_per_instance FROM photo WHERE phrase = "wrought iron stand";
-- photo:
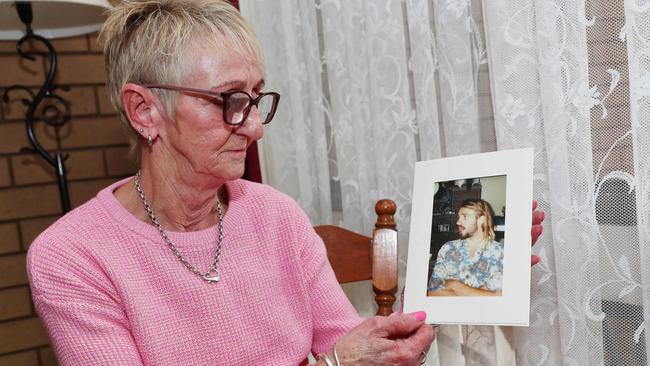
(55, 111)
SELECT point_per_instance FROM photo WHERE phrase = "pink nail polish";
(419, 315)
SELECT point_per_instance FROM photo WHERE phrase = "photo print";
(469, 243)
(467, 237)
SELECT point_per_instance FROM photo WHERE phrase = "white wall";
(494, 191)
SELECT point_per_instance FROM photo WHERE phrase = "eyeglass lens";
(238, 102)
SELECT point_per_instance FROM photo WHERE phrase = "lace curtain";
(370, 87)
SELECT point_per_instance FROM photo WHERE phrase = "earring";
(141, 130)
(149, 140)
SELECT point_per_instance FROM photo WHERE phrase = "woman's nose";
(252, 125)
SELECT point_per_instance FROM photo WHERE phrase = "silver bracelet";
(336, 356)
(325, 358)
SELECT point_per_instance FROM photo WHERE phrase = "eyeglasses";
(236, 105)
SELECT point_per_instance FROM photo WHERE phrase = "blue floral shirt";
(484, 268)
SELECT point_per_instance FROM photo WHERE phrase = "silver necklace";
(212, 275)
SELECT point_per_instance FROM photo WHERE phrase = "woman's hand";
(536, 230)
(399, 339)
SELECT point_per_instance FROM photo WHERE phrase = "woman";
(185, 263)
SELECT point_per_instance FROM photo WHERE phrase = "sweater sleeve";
(79, 308)
(333, 315)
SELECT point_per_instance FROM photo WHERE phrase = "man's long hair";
(482, 208)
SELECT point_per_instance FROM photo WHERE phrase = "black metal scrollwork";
(53, 109)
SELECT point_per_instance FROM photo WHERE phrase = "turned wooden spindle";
(384, 259)
(356, 257)
(385, 210)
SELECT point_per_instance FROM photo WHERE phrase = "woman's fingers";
(408, 351)
(399, 325)
(534, 260)
(396, 340)
(411, 337)
(535, 232)
(538, 217)
(423, 337)
(537, 229)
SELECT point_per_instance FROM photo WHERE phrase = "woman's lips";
(240, 152)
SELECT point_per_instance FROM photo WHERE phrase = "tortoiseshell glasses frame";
(236, 104)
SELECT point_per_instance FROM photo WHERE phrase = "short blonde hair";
(146, 41)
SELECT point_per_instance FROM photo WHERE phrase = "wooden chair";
(356, 257)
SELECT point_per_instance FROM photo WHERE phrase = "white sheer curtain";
(370, 87)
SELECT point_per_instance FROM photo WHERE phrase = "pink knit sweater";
(110, 292)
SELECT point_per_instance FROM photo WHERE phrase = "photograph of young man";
(473, 264)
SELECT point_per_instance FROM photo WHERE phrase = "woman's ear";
(142, 109)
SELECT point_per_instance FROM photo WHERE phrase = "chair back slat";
(348, 253)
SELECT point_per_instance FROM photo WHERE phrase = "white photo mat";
(512, 307)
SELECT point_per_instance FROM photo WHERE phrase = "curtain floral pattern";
(371, 87)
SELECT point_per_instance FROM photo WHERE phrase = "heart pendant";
(212, 277)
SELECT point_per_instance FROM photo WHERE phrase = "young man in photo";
(473, 264)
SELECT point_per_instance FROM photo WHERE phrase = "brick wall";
(29, 198)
